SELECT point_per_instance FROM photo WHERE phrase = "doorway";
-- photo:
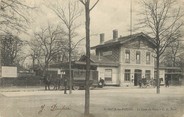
(137, 76)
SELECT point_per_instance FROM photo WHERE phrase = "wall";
(133, 47)
(101, 74)
(162, 75)
(111, 53)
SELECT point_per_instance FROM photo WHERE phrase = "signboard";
(9, 72)
(107, 53)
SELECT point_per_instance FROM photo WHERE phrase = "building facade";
(131, 56)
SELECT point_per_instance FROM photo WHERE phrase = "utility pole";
(130, 17)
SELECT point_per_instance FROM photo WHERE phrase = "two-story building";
(124, 60)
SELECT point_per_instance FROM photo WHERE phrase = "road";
(106, 102)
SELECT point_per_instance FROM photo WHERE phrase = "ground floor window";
(127, 74)
(108, 75)
(147, 74)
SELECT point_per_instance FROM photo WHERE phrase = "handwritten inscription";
(53, 107)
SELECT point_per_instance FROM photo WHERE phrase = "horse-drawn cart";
(79, 77)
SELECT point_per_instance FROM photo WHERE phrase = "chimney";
(115, 34)
(102, 36)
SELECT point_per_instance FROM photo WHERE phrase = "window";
(127, 56)
(147, 57)
(108, 75)
(148, 74)
(127, 74)
(138, 57)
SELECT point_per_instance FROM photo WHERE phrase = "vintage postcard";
(91, 58)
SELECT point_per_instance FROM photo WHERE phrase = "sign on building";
(107, 53)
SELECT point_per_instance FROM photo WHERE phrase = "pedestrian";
(154, 82)
(101, 83)
(55, 84)
(140, 83)
(180, 81)
(58, 83)
(65, 85)
(166, 82)
(47, 82)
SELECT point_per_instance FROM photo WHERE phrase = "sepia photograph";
(91, 58)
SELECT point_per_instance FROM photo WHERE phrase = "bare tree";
(47, 43)
(11, 46)
(14, 15)
(170, 56)
(86, 4)
(34, 52)
(163, 18)
(69, 17)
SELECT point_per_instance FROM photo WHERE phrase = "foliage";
(11, 48)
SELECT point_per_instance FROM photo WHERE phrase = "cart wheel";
(76, 87)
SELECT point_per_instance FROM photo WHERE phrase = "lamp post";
(65, 82)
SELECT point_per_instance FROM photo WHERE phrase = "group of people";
(143, 83)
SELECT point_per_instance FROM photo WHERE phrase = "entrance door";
(137, 76)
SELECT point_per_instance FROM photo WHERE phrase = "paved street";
(106, 102)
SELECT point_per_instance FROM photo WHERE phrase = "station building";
(122, 61)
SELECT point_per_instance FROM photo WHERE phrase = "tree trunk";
(87, 91)
(33, 62)
(70, 76)
(158, 79)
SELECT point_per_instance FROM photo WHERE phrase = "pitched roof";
(100, 60)
(125, 39)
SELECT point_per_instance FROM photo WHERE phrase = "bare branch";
(94, 5)
(82, 2)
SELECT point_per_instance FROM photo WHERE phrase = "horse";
(57, 84)
(47, 82)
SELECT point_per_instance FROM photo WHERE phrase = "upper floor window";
(127, 56)
(138, 57)
(147, 57)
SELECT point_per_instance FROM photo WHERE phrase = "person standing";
(65, 85)
(166, 82)
(140, 83)
(101, 83)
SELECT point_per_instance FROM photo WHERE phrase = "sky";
(105, 17)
